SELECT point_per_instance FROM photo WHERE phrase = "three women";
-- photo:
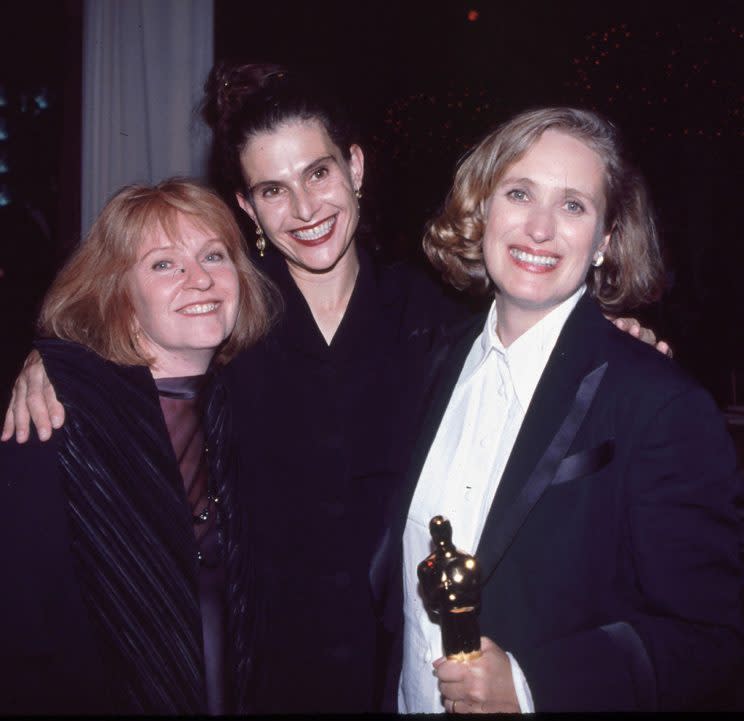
(329, 401)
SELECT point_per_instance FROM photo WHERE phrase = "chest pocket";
(584, 462)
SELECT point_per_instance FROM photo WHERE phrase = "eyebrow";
(307, 169)
(167, 248)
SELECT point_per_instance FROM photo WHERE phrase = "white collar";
(527, 356)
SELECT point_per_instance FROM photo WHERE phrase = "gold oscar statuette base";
(462, 657)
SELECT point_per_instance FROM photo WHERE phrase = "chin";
(320, 261)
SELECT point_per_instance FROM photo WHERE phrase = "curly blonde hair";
(632, 272)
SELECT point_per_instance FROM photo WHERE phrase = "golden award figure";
(450, 584)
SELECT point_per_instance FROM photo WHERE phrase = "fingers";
(646, 335)
(464, 706)
(483, 685)
(36, 406)
(33, 399)
(634, 328)
(8, 425)
(41, 400)
(20, 421)
(665, 348)
(630, 326)
(55, 408)
(451, 671)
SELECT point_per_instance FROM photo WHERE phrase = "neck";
(174, 365)
(512, 322)
(328, 293)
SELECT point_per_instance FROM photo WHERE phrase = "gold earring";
(598, 259)
(260, 240)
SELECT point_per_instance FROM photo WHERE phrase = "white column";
(144, 66)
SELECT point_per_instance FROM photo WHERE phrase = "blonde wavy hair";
(632, 272)
(88, 301)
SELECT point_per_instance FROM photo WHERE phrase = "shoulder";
(421, 295)
(641, 365)
(631, 363)
(80, 375)
(649, 391)
(24, 466)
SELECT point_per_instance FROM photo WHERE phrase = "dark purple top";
(180, 400)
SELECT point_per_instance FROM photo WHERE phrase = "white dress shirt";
(460, 477)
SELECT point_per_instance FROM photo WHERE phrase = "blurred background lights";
(42, 103)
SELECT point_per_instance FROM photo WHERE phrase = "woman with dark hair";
(124, 544)
(325, 430)
(339, 366)
(593, 480)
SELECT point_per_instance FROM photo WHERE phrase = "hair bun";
(229, 86)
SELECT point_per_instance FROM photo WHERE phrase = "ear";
(356, 166)
(606, 240)
(134, 329)
(246, 206)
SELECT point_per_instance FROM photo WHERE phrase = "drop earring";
(260, 241)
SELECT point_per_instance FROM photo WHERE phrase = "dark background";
(427, 79)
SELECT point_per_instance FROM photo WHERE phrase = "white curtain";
(144, 66)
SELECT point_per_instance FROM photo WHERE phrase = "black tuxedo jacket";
(610, 555)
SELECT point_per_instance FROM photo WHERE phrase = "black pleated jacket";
(99, 609)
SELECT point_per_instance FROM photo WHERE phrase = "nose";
(304, 204)
(196, 276)
(540, 225)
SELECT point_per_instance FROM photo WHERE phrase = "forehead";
(285, 150)
(175, 229)
(558, 159)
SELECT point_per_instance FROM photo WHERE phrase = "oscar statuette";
(450, 584)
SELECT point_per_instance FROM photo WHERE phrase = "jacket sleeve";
(46, 640)
(681, 646)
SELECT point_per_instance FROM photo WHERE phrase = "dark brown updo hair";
(242, 100)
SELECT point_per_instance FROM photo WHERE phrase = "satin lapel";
(442, 374)
(562, 398)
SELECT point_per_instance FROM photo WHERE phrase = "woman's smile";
(317, 233)
(533, 260)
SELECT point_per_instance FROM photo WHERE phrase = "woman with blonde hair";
(592, 479)
(126, 550)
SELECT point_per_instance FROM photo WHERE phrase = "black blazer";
(610, 554)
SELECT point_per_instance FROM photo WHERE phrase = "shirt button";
(501, 392)
(484, 442)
